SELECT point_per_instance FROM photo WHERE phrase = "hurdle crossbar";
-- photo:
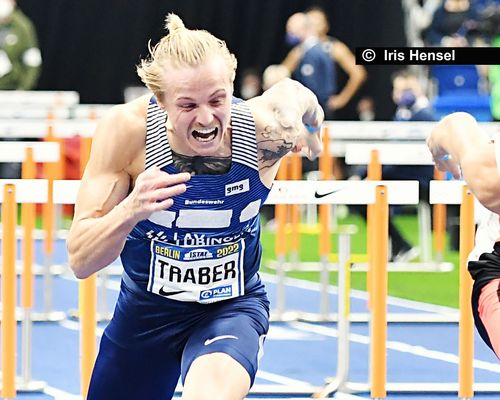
(344, 133)
(13, 128)
(40, 97)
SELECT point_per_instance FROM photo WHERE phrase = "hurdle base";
(272, 390)
(51, 316)
(418, 387)
(289, 316)
(39, 270)
(39, 234)
(74, 315)
(28, 387)
(114, 270)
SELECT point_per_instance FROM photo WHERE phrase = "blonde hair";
(180, 47)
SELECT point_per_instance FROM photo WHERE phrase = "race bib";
(202, 274)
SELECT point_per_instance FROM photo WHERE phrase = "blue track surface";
(297, 354)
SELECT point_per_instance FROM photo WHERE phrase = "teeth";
(205, 131)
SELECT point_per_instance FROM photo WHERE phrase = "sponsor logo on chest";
(237, 187)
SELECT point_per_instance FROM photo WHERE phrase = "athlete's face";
(319, 21)
(198, 103)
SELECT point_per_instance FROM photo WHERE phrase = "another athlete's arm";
(288, 118)
(460, 146)
(106, 210)
(292, 59)
(343, 56)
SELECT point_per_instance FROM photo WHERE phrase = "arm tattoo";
(272, 147)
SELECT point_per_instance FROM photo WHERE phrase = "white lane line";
(75, 326)
(346, 396)
(59, 394)
(397, 346)
(283, 380)
(362, 295)
(282, 333)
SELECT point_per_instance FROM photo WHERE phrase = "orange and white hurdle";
(295, 192)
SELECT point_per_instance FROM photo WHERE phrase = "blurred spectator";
(481, 5)
(273, 74)
(341, 55)
(448, 24)
(418, 17)
(412, 105)
(251, 84)
(20, 59)
(314, 58)
(410, 99)
(313, 61)
(366, 109)
(308, 62)
(494, 75)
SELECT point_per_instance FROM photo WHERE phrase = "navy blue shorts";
(152, 341)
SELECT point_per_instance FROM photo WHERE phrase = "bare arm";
(292, 59)
(282, 115)
(356, 73)
(471, 152)
(106, 210)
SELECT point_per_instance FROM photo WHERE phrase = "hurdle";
(347, 192)
(87, 299)
(405, 154)
(338, 192)
(65, 192)
(343, 133)
(281, 266)
(43, 152)
(441, 192)
(14, 192)
(37, 191)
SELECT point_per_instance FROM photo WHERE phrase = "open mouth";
(205, 135)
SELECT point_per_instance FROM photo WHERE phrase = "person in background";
(412, 105)
(314, 60)
(447, 27)
(308, 62)
(251, 84)
(20, 61)
(409, 96)
(460, 146)
(366, 109)
(20, 57)
(341, 56)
